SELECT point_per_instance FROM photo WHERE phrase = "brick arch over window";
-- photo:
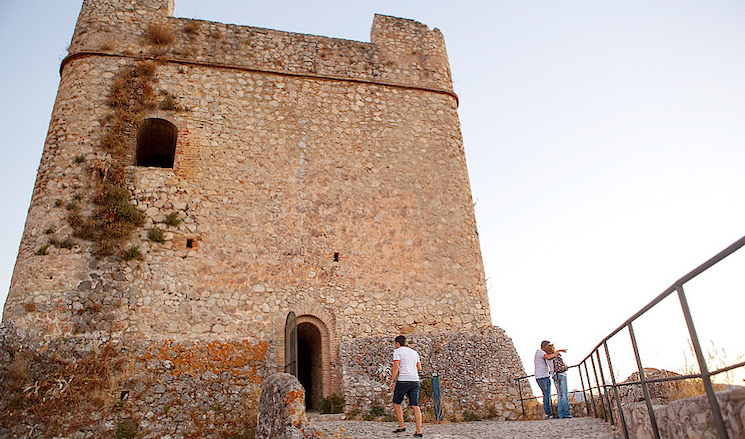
(156, 143)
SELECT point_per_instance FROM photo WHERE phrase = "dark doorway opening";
(310, 363)
(156, 143)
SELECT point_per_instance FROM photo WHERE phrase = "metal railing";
(604, 389)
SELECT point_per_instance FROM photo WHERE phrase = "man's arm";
(555, 354)
(394, 373)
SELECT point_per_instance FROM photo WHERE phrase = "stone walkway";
(583, 428)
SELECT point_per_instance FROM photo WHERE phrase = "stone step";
(314, 416)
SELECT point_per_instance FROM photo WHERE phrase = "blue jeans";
(560, 381)
(545, 385)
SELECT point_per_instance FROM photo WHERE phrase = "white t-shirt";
(541, 368)
(408, 358)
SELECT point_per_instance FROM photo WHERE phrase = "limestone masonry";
(274, 173)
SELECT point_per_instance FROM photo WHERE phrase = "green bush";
(133, 253)
(156, 235)
(425, 388)
(173, 220)
(470, 416)
(333, 404)
(67, 243)
(126, 429)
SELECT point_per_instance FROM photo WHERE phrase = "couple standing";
(545, 367)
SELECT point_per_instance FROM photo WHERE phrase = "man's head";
(400, 340)
(545, 344)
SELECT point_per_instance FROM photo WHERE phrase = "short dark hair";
(401, 340)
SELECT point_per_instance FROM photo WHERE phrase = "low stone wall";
(476, 371)
(76, 388)
(688, 418)
(660, 392)
(282, 410)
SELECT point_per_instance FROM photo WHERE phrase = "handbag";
(559, 365)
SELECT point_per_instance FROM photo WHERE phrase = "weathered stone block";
(282, 410)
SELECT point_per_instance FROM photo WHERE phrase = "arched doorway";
(310, 363)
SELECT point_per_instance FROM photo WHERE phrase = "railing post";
(716, 410)
(589, 387)
(520, 392)
(584, 392)
(650, 409)
(615, 392)
(601, 391)
(605, 388)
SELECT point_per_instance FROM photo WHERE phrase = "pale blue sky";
(605, 143)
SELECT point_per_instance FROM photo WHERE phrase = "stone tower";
(202, 180)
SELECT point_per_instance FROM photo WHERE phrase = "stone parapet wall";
(402, 52)
(476, 371)
(688, 418)
(83, 388)
(660, 392)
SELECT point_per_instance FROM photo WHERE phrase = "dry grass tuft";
(107, 44)
(58, 392)
(159, 34)
(690, 388)
(191, 28)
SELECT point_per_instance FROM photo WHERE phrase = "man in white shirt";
(405, 381)
(542, 375)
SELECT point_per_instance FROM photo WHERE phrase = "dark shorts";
(408, 388)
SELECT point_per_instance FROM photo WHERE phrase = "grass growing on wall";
(59, 390)
(57, 393)
(114, 217)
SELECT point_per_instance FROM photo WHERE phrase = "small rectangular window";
(336, 257)
(189, 243)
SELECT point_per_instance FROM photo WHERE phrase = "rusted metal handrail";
(705, 375)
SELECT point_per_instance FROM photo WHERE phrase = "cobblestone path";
(576, 428)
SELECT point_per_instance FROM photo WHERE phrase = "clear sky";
(605, 142)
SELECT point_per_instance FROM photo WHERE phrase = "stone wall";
(688, 417)
(303, 193)
(659, 392)
(79, 388)
(315, 175)
(476, 371)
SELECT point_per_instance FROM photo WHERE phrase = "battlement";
(401, 53)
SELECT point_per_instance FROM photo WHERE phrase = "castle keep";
(262, 173)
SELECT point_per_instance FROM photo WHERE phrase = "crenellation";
(402, 52)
